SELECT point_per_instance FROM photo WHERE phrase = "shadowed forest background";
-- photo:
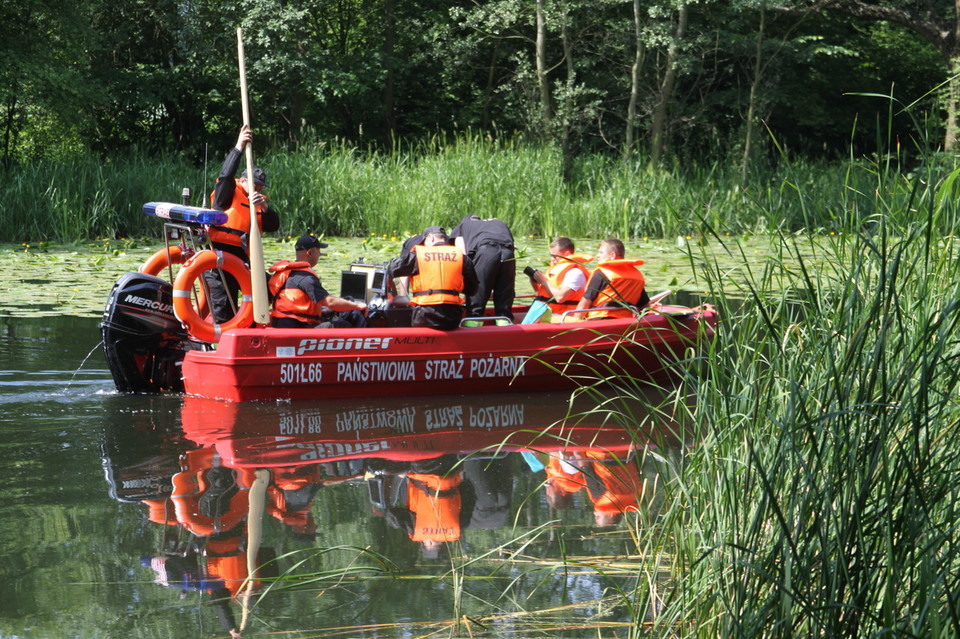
(93, 92)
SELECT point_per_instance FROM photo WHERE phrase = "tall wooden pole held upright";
(261, 301)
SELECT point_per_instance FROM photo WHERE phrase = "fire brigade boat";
(156, 339)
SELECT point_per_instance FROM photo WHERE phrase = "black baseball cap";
(308, 242)
(259, 176)
(434, 229)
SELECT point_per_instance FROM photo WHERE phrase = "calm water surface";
(130, 516)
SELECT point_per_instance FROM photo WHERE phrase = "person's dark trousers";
(221, 293)
(496, 269)
(444, 317)
(344, 319)
(225, 293)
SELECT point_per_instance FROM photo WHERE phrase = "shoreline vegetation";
(334, 189)
(819, 493)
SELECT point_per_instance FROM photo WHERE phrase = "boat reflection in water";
(431, 467)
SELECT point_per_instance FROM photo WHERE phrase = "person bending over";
(439, 273)
(489, 245)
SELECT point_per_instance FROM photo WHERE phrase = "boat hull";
(262, 364)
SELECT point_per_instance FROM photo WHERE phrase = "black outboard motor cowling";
(143, 340)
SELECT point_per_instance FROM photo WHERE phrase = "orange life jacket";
(625, 287)
(292, 302)
(435, 503)
(232, 569)
(440, 277)
(237, 227)
(621, 481)
(555, 277)
(560, 478)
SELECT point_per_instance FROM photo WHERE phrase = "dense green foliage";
(106, 77)
(334, 190)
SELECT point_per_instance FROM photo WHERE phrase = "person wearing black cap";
(300, 301)
(438, 274)
(489, 243)
(230, 195)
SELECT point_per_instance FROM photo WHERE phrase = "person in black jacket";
(230, 195)
(489, 245)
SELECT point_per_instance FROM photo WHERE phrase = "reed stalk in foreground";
(820, 497)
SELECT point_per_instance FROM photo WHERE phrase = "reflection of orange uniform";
(160, 512)
(231, 569)
(619, 481)
(225, 506)
(435, 503)
(560, 477)
(292, 479)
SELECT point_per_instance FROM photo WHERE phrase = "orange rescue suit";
(625, 286)
(555, 276)
(233, 232)
(292, 302)
(621, 481)
(440, 276)
(435, 503)
(563, 478)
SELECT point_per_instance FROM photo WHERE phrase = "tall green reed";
(820, 497)
(88, 198)
(332, 188)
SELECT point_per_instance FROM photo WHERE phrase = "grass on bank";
(337, 190)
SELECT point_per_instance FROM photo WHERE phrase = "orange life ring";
(156, 263)
(189, 486)
(183, 292)
(162, 259)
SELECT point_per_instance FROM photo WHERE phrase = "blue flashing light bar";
(181, 213)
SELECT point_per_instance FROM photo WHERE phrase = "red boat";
(151, 347)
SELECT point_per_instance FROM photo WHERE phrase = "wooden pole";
(261, 301)
(256, 502)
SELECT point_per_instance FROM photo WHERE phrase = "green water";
(83, 555)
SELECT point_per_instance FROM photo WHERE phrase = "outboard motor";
(143, 340)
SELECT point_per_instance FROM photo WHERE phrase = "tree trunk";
(566, 134)
(9, 133)
(634, 83)
(389, 38)
(490, 92)
(953, 84)
(658, 129)
(752, 104)
(545, 108)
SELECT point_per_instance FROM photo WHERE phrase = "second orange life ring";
(183, 291)
(174, 254)
(163, 258)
